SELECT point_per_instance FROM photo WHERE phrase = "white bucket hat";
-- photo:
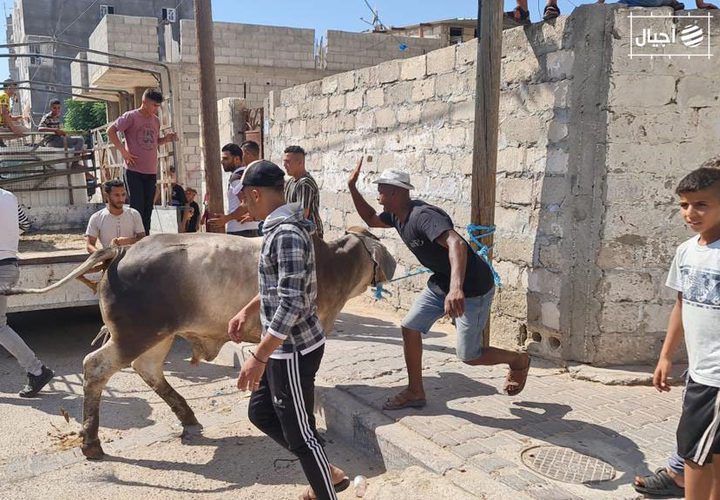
(395, 178)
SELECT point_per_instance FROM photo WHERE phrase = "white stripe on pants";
(307, 433)
(9, 274)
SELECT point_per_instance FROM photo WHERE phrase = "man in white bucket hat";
(461, 285)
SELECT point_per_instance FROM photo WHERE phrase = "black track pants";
(282, 408)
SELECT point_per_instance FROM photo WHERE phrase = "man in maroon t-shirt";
(142, 137)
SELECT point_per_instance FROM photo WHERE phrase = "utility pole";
(487, 104)
(208, 107)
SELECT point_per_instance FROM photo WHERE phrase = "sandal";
(516, 379)
(660, 485)
(309, 494)
(401, 401)
(550, 12)
(519, 16)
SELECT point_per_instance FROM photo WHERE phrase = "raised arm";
(364, 209)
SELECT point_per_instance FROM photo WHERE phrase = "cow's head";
(384, 262)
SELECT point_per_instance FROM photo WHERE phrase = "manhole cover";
(566, 465)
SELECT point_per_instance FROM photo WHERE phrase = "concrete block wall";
(590, 149)
(418, 114)
(347, 50)
(253, 45)
(251, 84)
(130, 36)
(663, 121)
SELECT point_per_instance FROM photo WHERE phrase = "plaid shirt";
(288, 283)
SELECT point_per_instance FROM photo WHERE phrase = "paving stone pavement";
(631, 428)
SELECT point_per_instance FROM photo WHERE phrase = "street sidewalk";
(474, 434)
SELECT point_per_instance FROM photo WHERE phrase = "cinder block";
(413, 69)
(423, 89)
(354, 100)
(641, 90)
(698, 91)
(337, 102)
(388, 72)
(441, 61)
(515, 191)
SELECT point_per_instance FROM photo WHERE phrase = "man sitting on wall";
(8, 100)
(51, 122)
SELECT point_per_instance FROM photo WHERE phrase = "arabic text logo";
(670, 35)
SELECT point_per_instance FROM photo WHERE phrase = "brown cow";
(191, 285)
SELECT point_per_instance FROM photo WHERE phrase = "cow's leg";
(98, 367)
(149, 366)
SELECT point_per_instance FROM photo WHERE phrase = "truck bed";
(44, 259)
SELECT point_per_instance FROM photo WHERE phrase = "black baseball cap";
(263, 173)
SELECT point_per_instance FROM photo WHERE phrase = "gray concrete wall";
(591, 146)
(345, 50)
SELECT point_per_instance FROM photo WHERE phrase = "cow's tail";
(93, 260)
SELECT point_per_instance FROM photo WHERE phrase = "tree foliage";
(84, 115)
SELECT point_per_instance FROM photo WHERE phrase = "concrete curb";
(398, 447)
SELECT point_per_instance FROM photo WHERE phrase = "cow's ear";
(385, 263)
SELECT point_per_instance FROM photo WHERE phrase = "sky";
(335, 14)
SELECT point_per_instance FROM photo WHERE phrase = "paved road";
(147, 456)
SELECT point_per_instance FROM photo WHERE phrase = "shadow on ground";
(539, 420)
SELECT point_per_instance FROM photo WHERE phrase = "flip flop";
(340, 486)
(516, 379)
(399, 402)
(660, 485)
(551, 12)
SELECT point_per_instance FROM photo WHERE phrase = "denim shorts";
(430, 307)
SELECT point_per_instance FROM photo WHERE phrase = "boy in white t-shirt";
(695, 274)
(114, 224)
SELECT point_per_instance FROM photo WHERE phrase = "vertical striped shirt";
(304, 190)
(12, 220)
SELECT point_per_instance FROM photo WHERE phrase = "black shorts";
(698, 438)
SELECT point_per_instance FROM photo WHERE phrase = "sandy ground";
(47, 242)
(147, 456)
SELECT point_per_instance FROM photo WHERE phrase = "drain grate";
(566, 465)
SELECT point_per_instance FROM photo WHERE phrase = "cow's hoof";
(93, 451)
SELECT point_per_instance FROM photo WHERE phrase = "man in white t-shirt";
(232, 162)
(114, 224)
(12, 221)
(695, 276)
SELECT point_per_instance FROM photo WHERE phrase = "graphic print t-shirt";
(424, 225)
(695, 272)
(141, 139)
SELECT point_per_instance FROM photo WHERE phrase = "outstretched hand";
(355, 173)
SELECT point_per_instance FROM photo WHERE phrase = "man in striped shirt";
(281, 370)
(302, 188)
(52, 122)
(12, 221)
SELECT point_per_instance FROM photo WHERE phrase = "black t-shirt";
(178, 196)
(192, 226)
(425, 224)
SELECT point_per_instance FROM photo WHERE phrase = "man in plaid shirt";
(281, 371)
